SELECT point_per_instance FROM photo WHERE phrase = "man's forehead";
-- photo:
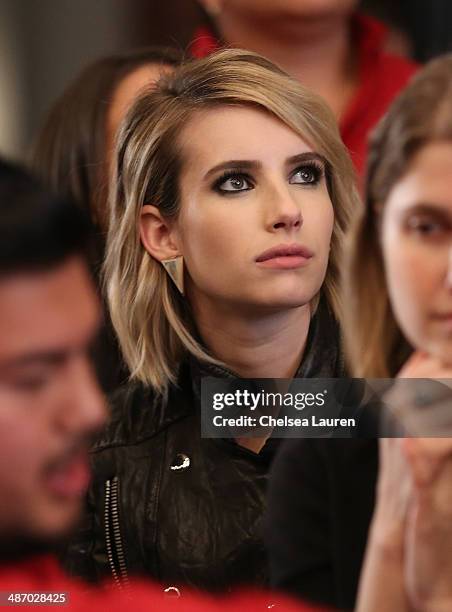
(47, 312)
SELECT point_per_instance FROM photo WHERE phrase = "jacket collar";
(137, 414)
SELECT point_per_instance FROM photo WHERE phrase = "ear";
(157, 236)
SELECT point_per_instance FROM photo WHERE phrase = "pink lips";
(285, 256)
(445, 320)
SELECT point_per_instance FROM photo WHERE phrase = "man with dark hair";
(51, 405)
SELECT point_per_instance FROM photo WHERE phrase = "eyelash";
(316, 168)
(417, 225)
(232, 174)
(30, 384)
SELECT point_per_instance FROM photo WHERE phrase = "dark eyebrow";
(46, 358)
(51, 356)
(428, 209)
(234, 164)
(249, 164)
(305, 157)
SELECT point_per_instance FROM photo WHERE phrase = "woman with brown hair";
(74, 148)
(403, 247)
(232, 197)
(77, 138)
(398, 323)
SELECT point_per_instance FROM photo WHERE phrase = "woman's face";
(256, 218)
(417, 250)
(125, 94)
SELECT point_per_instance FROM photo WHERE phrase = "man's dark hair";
(38, 230)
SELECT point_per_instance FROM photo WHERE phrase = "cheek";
(212, 238)
(328, 223)
(318, 221)
(409, 282)
(21, 445)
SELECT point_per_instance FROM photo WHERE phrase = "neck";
(255, 346)
(318, 52)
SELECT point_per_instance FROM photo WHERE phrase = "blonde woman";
(233, 191)
(398, 323)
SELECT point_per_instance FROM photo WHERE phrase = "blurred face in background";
(126, 92)
(124, 95)
(270, 9)
(416, 236)
(50, 403)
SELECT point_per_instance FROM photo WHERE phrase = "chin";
(58, 522)
(438, 347)
(287, 302)
(443, 352)
(292, 291)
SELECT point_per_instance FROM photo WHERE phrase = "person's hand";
(392, 498)
(383, 564)
(410, 541)
(428, 543)
(423, 365)
(419, 403)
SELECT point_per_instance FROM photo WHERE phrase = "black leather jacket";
(167, 503)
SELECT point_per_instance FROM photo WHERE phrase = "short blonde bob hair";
(422, 114)
(152, 321)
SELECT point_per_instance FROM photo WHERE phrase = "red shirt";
(43, 574)
(380, 78)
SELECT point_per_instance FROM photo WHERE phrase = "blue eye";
(232, 183)
(308, 174)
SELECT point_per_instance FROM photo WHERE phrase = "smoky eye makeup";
(307, 169)
(310, 172)
(233, 181)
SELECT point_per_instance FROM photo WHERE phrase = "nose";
(283, 211)
(82, 407)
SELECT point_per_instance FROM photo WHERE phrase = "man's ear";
(156, 234)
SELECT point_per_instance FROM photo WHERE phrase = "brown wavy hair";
(69, 154)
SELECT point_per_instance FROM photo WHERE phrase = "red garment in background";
(43, 574)
(380, 78)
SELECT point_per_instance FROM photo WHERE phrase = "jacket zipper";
(113, 539)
